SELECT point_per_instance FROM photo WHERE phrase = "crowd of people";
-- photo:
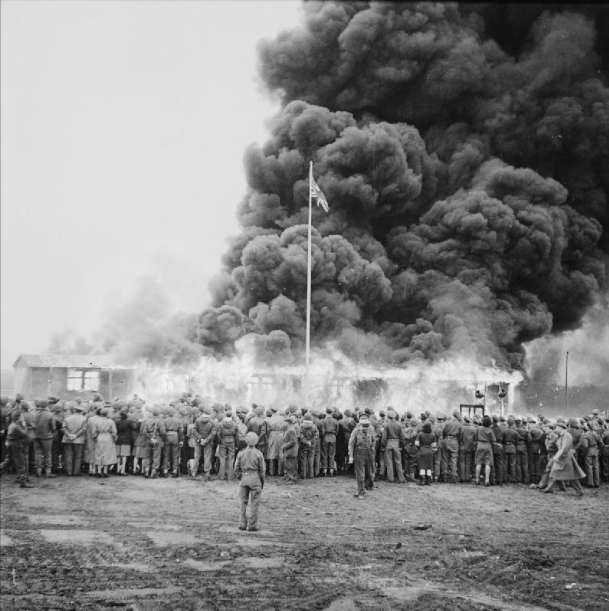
(187, 437)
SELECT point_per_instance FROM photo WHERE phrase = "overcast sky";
(124, 125)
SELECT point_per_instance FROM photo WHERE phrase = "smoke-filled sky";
(123, 131)
(463, 149)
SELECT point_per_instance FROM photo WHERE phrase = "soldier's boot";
(38, 472)
(48, 473)
(25, 484)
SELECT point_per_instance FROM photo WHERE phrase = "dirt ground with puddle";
(143, 545)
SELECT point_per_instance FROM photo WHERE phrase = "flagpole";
(308, 344)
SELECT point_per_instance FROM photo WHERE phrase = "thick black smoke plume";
(464, 152)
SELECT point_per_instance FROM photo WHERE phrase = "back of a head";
(251, 439)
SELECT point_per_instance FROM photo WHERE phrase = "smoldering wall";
(465, 157)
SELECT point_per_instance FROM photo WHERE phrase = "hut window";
(91, 380)
(79, 379)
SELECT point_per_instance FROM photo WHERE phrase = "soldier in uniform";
(174, 440)
(277, 426)
(228, 440)
(410, 449)
(522, 457)
(290, 450)
(328, 443)
(154, 434)
(468, 435)
(250, 467)
(18, 442)
(392, 442)
(590, 443)
(258, 424)
(57, 408)
(317, 459)
(451, 439)
(510, 439)
(74, 432)
(439, 459)
(605, 452)
(379, 458)
(44, 429)
(498, 469)
(206, 431)
(534, 447)
(309, 436)
(361, 455)
(346, 425)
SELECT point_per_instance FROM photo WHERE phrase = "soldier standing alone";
(250, 467)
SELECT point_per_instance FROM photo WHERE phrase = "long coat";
(104, 433)
(277, 427)
(564, 465)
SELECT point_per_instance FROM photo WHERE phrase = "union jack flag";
(318, 193)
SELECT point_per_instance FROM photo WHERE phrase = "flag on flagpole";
(318, 193)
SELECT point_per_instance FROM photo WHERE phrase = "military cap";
(511, 420)
(561, 422)
(502, 418)
(308, 417)
(467, 420)
(368, 411)
(573, 423)
(391, 414)
(495, 418)
(382, 413)
(348, 413)
(595, 412)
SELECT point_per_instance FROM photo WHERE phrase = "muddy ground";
(151, 545)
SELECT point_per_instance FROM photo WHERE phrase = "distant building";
(71, 376)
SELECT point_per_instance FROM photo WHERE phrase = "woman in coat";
(484, 439)
(104, 434)
(427, 444)
(124, 441)
(564, 465)
(89, 441)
